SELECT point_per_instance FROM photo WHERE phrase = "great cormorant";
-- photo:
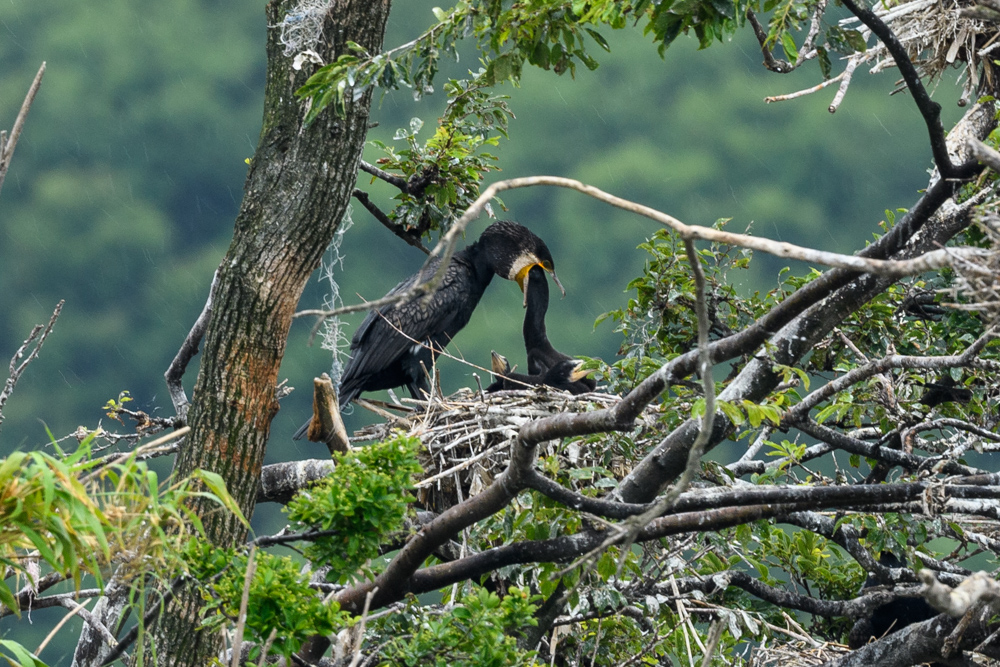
(395, 346)
(541, 355)
(564, 375)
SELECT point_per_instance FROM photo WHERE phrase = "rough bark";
(299, 184)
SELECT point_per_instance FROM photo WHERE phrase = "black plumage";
(892, 616)
(395, 346)
(564, 375)
(541, 354)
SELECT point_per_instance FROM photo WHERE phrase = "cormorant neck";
(537, 298)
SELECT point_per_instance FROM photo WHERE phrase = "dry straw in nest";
(467, 438)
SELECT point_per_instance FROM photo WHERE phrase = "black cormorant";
(892, 616)
(395, 346)
(541, 355)
(564, 375)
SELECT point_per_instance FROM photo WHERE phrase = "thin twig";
(852, 64)
(391, 179)
(7, 145)
(76, 610)
(361, 628)
(17, 369)
(241, 620)
(807, 91)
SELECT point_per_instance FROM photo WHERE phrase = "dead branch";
(37, 336)
(189, 348)
(7, 145)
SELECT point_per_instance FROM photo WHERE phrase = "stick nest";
(977, 279)
(937, 35)
(467, 439)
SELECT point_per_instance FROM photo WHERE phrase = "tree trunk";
(298, 187)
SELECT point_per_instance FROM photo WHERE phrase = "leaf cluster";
(360, 503)
(280, 599)
(75, 514)
(444, 172)
(476, 630)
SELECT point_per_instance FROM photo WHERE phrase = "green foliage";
(280, 598)
(361, 502)
(73, 515)
(76, 515)
(444, 172)
(475, 631)
(660, 321)
(17, 656)
(549, 35)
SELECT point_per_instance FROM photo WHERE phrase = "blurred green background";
(126, 181)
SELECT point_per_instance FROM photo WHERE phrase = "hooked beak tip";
(555, 279)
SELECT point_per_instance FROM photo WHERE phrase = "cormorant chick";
(541, 355)
(564, 375)
(890, 617)
(395, 346)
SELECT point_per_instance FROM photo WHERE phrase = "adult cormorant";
(564, 375)
(395, 346)
(541, 355)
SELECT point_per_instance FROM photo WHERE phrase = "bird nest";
(467, 439)
(796, 653)
(937, 35)
(977, 280)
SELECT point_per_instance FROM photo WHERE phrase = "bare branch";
(770, 62)
(381, 174)
(801, 409)
(808, 91)
(445, 248)
(957, 601)
(413, 240)
(189, 348)
(988, 156)
(280, 481)
(8, 145)
(893, 457)
(852, 64)
(37, 336)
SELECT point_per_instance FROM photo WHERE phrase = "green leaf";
(217, 486)
(24, 657)
(788, 45)
(856, 40)
(600, 40)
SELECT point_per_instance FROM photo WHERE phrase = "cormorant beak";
(522, 278)
(555, 279)
(578, 374)
(498, 364)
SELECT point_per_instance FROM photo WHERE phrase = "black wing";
(387, 337)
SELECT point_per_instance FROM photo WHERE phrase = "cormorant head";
(498, 363)
(565, 373)
(513, 249)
